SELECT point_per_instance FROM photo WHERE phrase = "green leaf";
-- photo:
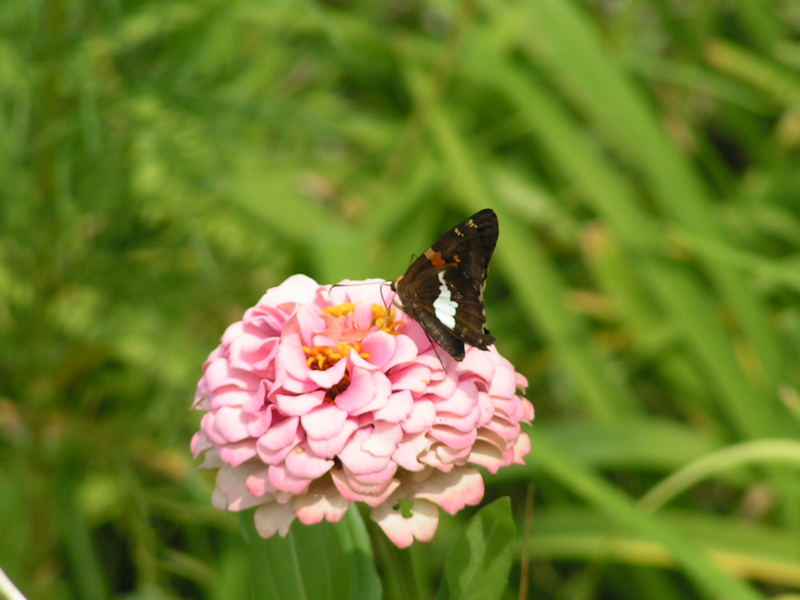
(478, 565)
(357, 548)
(308, 564)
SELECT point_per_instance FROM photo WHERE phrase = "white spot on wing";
(444, 307)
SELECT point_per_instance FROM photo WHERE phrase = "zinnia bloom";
(322, 396)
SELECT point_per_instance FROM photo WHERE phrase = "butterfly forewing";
(443, 288)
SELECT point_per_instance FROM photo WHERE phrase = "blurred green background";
(162, 163)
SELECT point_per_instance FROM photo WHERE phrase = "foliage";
(165, 162)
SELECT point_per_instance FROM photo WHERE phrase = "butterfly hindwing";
(443, 288)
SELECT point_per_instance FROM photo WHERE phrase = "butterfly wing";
(443, 289)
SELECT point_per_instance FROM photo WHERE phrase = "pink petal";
(280, 477)
(273, 518)
(521, 381)
(200, 443)
(304, 464)
(322, 501)
(461, 401)
(329, 377)
(444, 458)
(421, 419)
(381, 390)
(229, 423)
(486, 455)
(309, 321)
(355, 458)
(258, 483)
(414, 377)
(363, 292)
(266, 321)
(416, 334)
(211, 460)
(363, 313)
(522, 448)
(445, 387)
(258, 423)
(282, 433)
(508, 430)
(238, 452)
(273, 446)
(292, 357)
(232, 487)
(476, 362)
(330, 447)
(287, 383)
(295, 406)
(231, 395)
(453, 437)
(530, 413)
(253, 353)
(452, 491)
(380, 346)
(356, 491)
(397, 408)
(384, 439)
(486, 408)
(464, 424)
(233, 331)
(373, 478)
(411, 446)
(219, 373)
(421, 525)
(297, 288)
(323, 422)
(405, 351)
(503, 382)
(358, 393)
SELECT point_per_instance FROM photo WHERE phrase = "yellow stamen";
(384, 319)
(340, 309)
(324, 357)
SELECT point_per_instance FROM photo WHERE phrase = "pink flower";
(321, 396)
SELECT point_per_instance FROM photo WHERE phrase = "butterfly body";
(443, 288)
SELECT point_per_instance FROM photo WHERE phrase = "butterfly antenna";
(335, 285)
(383, 298)
(435, 351)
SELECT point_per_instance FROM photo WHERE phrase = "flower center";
(338, 388)
(324, 357)
(340, 310)
(384, 319)
(342, 325)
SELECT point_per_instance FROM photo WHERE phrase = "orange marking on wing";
(435, 258)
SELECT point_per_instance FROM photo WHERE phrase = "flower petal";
(421, 418)
(273, 518)
(300, 404)
(323, 422)
(329, 377)
(330, 447)
(421, 524)
(380, 346)
(358, 393)
(454, 490)
(304, 464)
(282, 479)
(397, 408)
(322, 501)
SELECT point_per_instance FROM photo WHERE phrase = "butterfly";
(442, 290)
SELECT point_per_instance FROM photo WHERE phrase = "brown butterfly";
(442, 290)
